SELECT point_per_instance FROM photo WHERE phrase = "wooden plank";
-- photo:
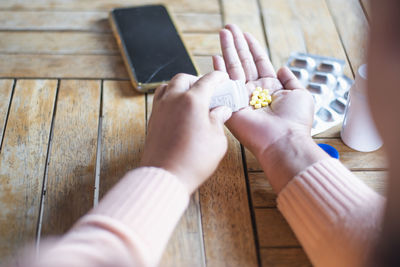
(273, 230)
(23, 161)
(123, 132)
(290, 257)
(200, 44)
(57, 43)
(197, 22)
(74, 66)
(185, 247)
(354, 37)
(354, 160)
(377, 180)
(227, 226)
(263, 196)
(246, 15)
(71, 169)
(6, 87)
(307, 24)
(84, 43)
(204, 64)
(206, 6)
(319, 30)
(94, 21)
(63, 66)
(280, 15)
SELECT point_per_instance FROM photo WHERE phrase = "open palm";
(292, 106)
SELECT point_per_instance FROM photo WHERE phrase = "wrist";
(184, 179)
(288, 156)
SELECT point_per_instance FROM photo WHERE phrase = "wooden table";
(71, 125)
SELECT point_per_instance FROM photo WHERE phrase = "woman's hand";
(184, 136)
(292, 108)
(279, 135)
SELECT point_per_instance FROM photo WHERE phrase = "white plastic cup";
(358, 130)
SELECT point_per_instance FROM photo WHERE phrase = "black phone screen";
(152, 45)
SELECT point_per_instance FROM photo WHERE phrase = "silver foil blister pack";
(323, 77)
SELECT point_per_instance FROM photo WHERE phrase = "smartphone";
(151, 46)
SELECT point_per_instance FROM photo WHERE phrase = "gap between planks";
(8, 113)
(44, 185)
(98, 152)
(251, 206)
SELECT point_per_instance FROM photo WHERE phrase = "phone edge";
(147, 87)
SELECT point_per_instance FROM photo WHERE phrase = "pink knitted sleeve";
(335, 216)
(130, 226)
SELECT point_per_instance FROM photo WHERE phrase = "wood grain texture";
(227, 226)
(280, 15)
(22, 162)
(262, 194)
(206, 6)
(354, 38)
(75, 66)
(246, 15)
(185, 247)
(78, 43)
(94, 21)
(71, 169)
(202, 44)
(307, 24)
(123, 132)
(84, 43)
(354, 160)
(273, 230)
(264, 197)
(6, 87)
(320, 34)
(284, 257)
(63, 66)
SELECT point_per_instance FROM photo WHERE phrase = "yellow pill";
(254, 97)
(256, 93)
(252, 102)
(263, 95)
(257, 106)
(264, 104)
(268, 98)
(258, 101)
(265, 91)
(258, 89)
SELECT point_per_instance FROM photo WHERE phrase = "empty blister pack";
(323, 77)
(232, 94)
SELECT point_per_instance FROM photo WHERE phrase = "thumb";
(221, 114)
(288, 79)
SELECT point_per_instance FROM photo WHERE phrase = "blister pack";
(323, 77)
(232, 94)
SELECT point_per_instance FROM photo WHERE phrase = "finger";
(231, 58)
(243, 52)
(181, 82)
(220, 114)
(205, 86)
(160, 91)
(219, 63)
(288, 79)
(261, 59)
